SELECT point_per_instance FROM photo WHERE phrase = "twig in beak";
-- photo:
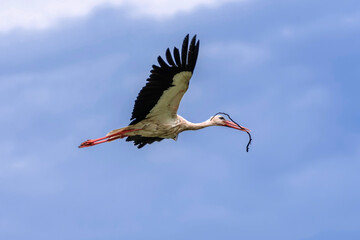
(246, 130)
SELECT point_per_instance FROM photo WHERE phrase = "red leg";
(92, 142)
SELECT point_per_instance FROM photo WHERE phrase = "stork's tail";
(111, 136)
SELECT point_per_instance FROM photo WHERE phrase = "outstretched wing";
(167, 84)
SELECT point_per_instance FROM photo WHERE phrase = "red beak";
(234, 125)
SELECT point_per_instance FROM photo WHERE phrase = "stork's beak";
(234, 125)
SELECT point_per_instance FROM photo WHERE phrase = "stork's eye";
(221, 118)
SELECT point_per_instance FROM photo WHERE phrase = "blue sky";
(288, 70)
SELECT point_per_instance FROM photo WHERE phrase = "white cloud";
(40, 14)
(165, 8)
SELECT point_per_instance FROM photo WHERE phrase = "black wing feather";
(184, 51)
(192, 54)
(195, 56)
(141, 141)
(161, 79)
(177, 56)
(162, 63)
(169, 58)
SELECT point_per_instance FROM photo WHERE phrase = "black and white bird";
(154, 116)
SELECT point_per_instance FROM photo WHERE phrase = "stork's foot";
(87, 143)
(92, 142)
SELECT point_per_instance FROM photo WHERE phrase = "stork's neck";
(196, 126)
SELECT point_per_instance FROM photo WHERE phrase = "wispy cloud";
(41, 14)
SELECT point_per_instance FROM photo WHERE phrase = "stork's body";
(168, 129)
(154, 117)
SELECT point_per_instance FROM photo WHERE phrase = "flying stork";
(154, 116)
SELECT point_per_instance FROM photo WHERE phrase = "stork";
(154, 116)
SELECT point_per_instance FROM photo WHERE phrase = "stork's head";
(220, 120)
